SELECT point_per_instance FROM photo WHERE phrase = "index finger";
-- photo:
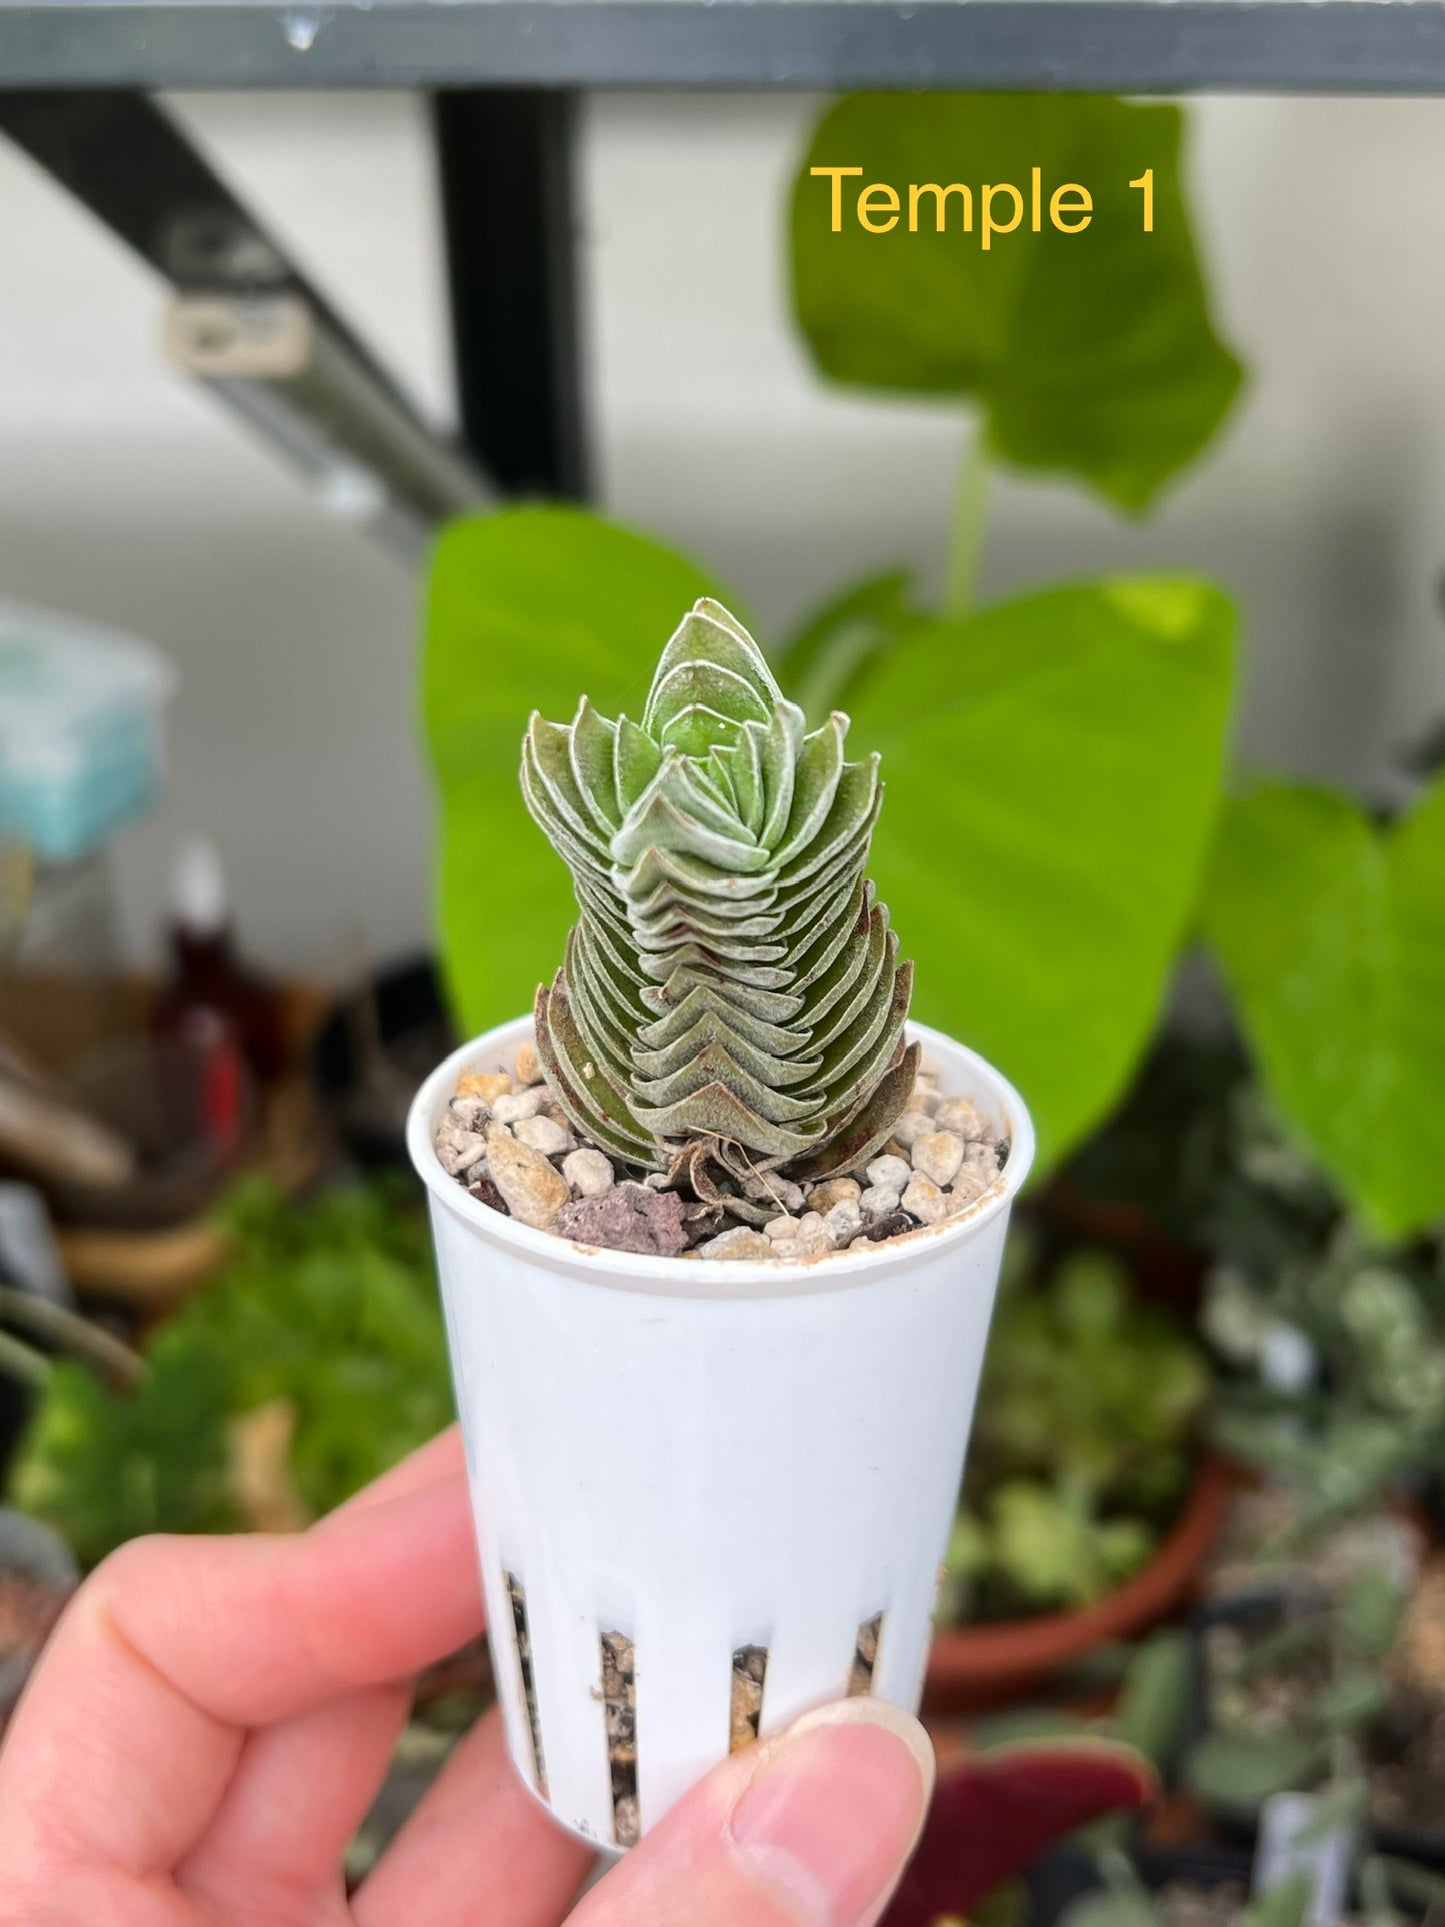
(440, 1458)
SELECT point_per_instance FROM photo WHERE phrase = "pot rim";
(721, 1277)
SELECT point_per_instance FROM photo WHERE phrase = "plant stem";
(822, 689)
(970, 508)
(19, 1361)
(73, 1334)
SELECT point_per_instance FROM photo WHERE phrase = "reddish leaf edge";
(994, 1813)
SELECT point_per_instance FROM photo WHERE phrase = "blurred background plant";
(1083, 1444)
(315, 1360)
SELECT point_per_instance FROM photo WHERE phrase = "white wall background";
(125, 496)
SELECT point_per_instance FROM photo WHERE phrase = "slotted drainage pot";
(688, 1471)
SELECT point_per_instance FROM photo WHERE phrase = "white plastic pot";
(706, 1456)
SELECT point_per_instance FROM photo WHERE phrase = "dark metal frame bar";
(505, 158)
(1124, 46)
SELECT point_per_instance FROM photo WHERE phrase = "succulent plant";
(731, 993)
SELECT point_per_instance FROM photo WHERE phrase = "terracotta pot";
(971, 1668)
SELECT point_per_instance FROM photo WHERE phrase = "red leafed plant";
(993, 1815)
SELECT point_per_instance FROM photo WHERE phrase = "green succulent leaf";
(729, 978)
(1053, 1548)
(1370, 1611)
(1091, 353)
(1110, 1908)
(1331, 933)
(1352, 1700)
(1053, 769)
(525, 608)
(1343, 1805)
(1154, 1704)
(1423, 1886)
(1240, 1771)
(1286, 1904)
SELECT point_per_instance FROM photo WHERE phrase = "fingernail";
(828, 1820)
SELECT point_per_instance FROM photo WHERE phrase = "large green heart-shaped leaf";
(1331, 932)
(1052, 770)
(527, 609)
(1092, 353)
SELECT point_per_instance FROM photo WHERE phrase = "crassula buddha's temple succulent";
(731, 992)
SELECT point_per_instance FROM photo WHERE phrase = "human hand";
(212, 1719)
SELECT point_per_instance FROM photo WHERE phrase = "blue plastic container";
(80, 731)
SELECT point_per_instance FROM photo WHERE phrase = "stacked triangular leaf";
(730, 981)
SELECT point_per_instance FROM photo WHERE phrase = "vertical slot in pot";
(619, 1702)
(750, 1667)
(518, 1599)
(865, 1657)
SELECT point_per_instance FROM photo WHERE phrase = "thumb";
(812, 1828)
